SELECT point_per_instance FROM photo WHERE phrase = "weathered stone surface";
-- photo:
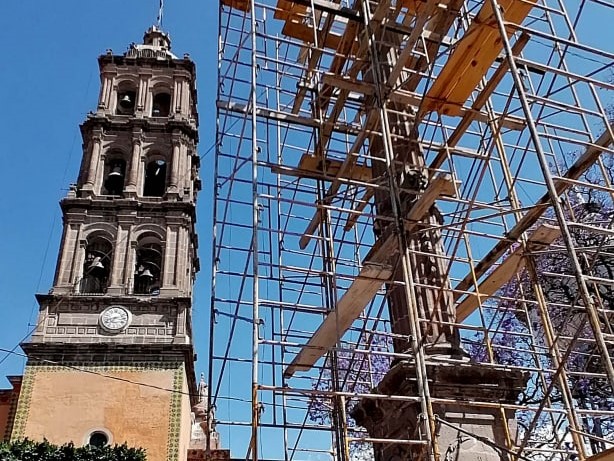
(464, 382)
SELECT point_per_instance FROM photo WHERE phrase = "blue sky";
(48, 83)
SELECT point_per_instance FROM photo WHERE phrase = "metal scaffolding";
(397, 176)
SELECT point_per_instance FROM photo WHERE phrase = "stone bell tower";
(111, 359)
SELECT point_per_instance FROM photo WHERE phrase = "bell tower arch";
(112, 351)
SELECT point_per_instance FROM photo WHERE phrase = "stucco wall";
(64, 404)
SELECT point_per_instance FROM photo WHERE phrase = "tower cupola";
(156, 43)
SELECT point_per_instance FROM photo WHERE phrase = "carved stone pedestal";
(462, 382)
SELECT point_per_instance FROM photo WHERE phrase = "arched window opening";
(155, 179)
(126, 100)
(114, 176)
(148, 269)
(96, 268)
(161, 105)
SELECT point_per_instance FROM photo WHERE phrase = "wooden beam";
(488, 89)
(242, 5)
(362, 204)
(607, 455)
(479, 102)
(413, 99)
(441, 185)
(362, 290)
(425, 12)
(296, 29)
(284, 117)
(313, 168)
(541, 238)
(473, 55)
(374, 273)
(287, 9)
(349, 161)
(582, 164)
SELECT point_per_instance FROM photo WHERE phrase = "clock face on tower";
(115, 318)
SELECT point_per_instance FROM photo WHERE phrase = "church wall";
(186, 422)
(5, 409)
(62, 404)
(8, 405)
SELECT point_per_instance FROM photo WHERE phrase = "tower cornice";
(142, 61)
(124, 123)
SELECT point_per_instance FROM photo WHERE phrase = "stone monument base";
(462, 382)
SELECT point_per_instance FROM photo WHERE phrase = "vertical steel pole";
(255, 217)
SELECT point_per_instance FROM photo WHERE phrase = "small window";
(126, 101)
(155, 179)
(115, 174)
(161, 105)
(98, 439)
(96, 268)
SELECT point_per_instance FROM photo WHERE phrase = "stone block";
(464, 431)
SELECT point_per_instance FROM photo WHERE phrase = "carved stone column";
(447, 379)
(135, 163)
(88, 187)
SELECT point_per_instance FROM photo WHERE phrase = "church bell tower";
(111, 359)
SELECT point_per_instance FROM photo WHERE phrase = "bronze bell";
(115, 172)
(125, 102)
(115, 181)
(96, 267)
(146, 274)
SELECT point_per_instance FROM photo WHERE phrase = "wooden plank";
(475, 52)
(413, 6)
(607, 455)
(297, 29)
(447, 190)
(284, 117)
(242, 5)
(413, 99)
(311, 167)
(316, 166)
(287, 9)
(334, 187)
(362, 290)
(362, 204)
(374, 273)
(583, 163)
(488, 89)
(541, 238)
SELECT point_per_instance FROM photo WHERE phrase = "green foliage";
(28, 450)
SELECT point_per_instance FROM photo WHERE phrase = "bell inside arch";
(114, 182)
(126, 102)
(96, 267)
(146, 275)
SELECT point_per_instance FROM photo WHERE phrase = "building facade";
(111, 359)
